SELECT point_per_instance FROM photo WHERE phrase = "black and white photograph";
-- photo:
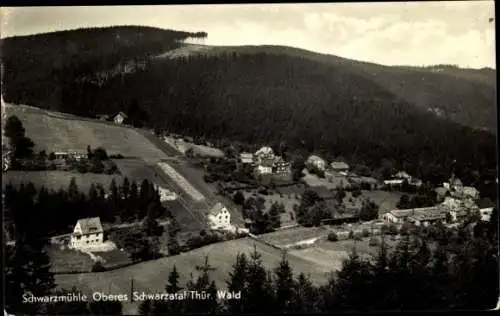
(287, 158)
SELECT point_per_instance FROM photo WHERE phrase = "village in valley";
(260, 195)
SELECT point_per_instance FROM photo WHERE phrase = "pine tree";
(203, 284)
(173, 307)
(144, 198)
(274, 216)
(73, 191)
(284, 285)
(238, 279)
(351, 288)
(133, 200)
(305, 296)
(125, 189)
(259, 299)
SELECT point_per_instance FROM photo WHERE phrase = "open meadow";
(152, 276)
(52, 131)
(294, 235)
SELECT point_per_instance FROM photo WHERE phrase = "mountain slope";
(466, 96)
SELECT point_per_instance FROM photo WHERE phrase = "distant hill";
(416, 119)
(466, 96)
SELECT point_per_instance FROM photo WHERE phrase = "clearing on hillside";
(52, 131)
(294, 235)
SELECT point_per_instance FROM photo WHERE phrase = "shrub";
(98, 267)
(373, 242)
(365, 233)
(357, 237)
(82, 168)
(333, 236)
(351, 234)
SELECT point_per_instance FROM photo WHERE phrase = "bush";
(116, 156)
(333, 236)
(351, 234)
(98, 267)
(374, 242)
(365, 233)
(82, 168)
(357, 237)
(110, 168)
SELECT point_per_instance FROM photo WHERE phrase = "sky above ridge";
(402, 33)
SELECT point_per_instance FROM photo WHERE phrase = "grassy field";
(113, 258)
(332, 254)
(57, 179)
(293, 235)
(68, 260)
(152, 275)
(53, 131)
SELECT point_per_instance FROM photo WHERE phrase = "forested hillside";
(466, 96)
(38, 68)
(305, 100)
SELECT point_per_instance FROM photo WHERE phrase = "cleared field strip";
(284, 238)
(181, 181)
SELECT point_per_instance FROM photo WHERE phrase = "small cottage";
(88, 233)
(219, 217)
(119, 118)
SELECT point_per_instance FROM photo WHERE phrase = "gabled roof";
(265, 151)
(401, 213)
(246, 155)
(121, 114)
(486, 203)
(216, 209)
(315, 158)
(339, 165)
(402, 175)
(90, 225)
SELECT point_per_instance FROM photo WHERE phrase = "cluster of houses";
(265, 162)
(458, 202)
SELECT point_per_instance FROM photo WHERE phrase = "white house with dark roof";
(219, 217)
(87, 234)
(120, 117)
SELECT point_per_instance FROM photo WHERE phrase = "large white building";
(219, 218)
(88, 233)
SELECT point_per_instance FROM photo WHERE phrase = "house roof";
(246, 155)
(264, 151)
(314, 158)
(402, 175)
(401, 213)
(339, 165)
(486, 203)
(122, 114)
(216, 209)
(455, 181)
(90, 225)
